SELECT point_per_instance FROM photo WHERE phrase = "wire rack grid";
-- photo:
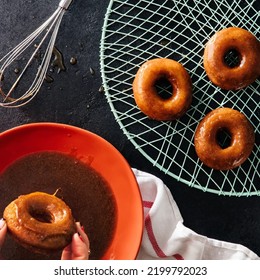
(136, 31)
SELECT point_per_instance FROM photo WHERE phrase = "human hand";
(78, 249)
(3, 230)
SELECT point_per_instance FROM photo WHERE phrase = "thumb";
(79, 248)
(3, 230)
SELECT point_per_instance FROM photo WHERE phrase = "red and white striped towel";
(166, 237)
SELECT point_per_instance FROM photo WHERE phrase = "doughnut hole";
(223, 138)
(164, 88)
(41, 214)
(232, 58)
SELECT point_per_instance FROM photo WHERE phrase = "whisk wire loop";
(41, 74)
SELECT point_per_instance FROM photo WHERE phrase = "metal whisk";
(51, 26)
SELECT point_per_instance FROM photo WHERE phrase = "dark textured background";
(74, 98)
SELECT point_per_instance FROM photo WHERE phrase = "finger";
(66, 253)
(79, 248)
(3, 230)
(82, 234)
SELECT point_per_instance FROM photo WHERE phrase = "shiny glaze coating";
(242, 139)
(248, 48)
(40, 222)
(146, 96)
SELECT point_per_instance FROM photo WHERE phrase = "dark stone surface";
(74, 98)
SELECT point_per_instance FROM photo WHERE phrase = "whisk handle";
(65, 4)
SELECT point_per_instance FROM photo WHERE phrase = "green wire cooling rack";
(136, 31)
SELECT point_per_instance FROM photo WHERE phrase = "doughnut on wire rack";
(136, 31)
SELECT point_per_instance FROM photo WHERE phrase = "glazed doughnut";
(247, 48)
(40, 222)
(238, 128)
(147, 97)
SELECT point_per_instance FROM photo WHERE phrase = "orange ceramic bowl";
(93, 150)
